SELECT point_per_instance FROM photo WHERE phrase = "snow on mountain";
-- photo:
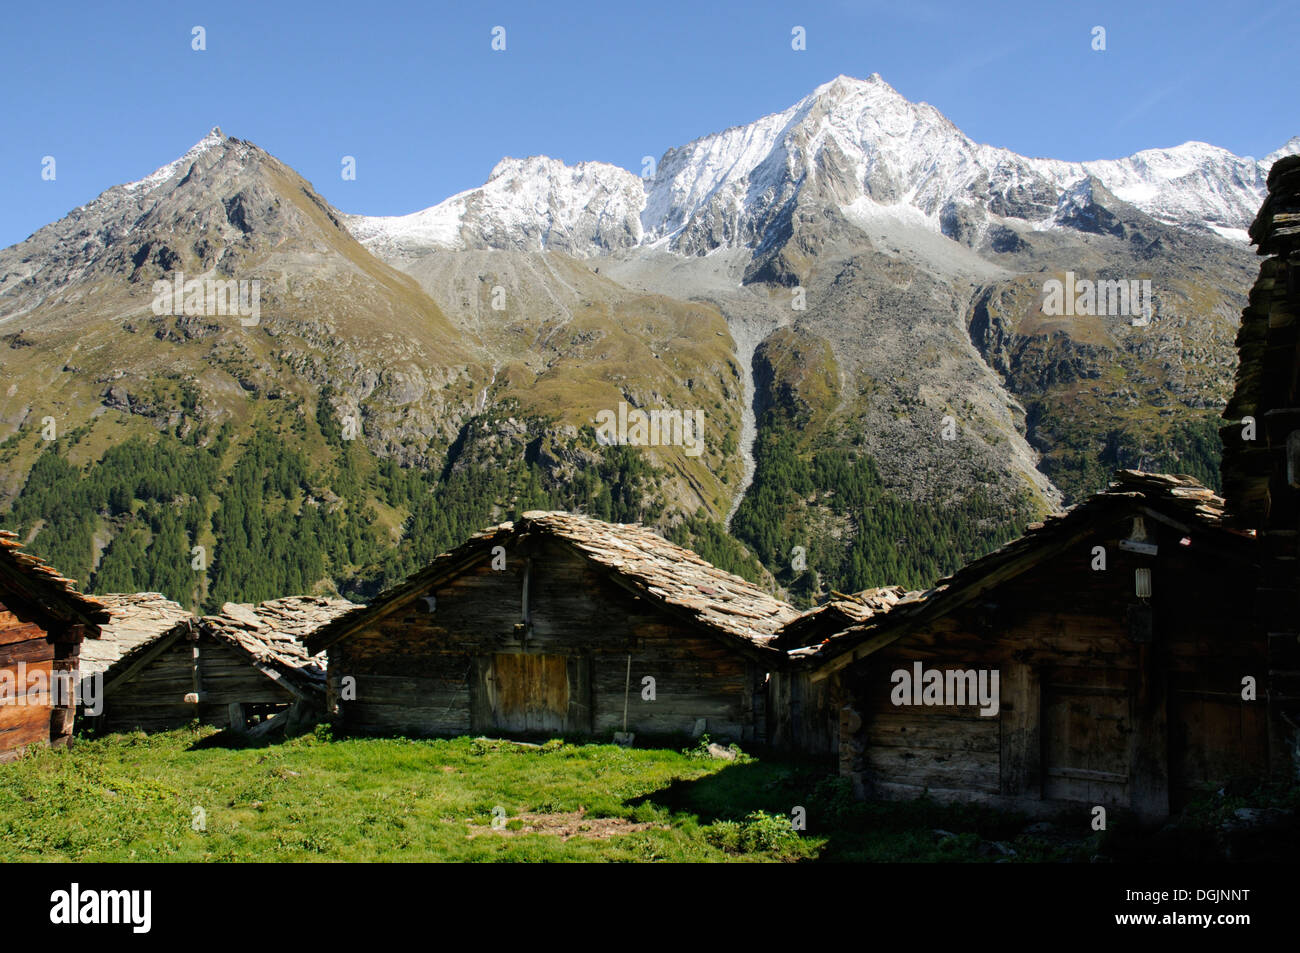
(1291, 148)
(852, 144)
(150, 182)
(1194, 183)
(860, 139)
(526, 204)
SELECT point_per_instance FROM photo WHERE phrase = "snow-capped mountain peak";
(214, 138)
(852, 144)
(1291, 148)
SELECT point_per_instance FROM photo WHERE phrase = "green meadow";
(195, 795)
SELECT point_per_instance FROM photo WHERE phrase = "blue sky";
(416, 94)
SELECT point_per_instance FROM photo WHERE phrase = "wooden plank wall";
(1087, 714)
(35, 720)
(432, 673)
(905, 751)
(154, 700)
(802, 716)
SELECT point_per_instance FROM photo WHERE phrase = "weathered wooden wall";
(458, 668)
(153, 698)
(803, 714)
(1087, 714)
(37, 719)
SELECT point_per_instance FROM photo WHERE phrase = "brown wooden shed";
(238, 669)
(553, 625)
(1134, 685)
(43, 621)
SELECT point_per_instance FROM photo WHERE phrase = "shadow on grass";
(921, 830)
(1261, 827)
(236, 742)
(769, 783)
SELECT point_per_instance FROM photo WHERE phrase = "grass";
(192, 795)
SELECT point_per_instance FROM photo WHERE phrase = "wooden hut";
(558, 623)
(1102, 659)
(43, 621)
(238, 669)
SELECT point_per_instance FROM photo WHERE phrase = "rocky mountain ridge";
(857, 142)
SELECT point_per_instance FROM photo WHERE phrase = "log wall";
(33, 716)
(802, 715)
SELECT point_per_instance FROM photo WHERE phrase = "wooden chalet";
(1261, 442)
(1126, 686)
(559, 623)
(43, 621)
(238, 669)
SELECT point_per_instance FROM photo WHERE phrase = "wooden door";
(1087, 727)
(531, 692)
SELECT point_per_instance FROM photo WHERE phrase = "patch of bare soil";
(570, 824)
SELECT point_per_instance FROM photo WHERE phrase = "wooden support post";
(196, 674)
(851, 746)
(525, 608)
(235, 712)
(1021, 773)
(579, 716)
(482, 698)
(1149, 751)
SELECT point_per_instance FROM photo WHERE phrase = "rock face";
(273, 296)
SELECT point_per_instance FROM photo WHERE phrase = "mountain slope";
(316, 346)
(850, 293)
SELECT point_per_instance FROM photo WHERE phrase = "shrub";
(759, 832)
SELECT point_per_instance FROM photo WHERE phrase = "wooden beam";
(277, 677)
(859, 651)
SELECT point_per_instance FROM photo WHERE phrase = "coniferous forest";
(205, 518)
